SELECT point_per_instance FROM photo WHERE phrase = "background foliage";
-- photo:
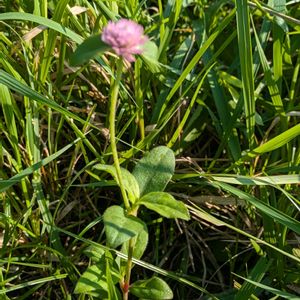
(224, 98)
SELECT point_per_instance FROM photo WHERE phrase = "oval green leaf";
(155, 170)
(91, 47)
(141, 242)
(153, 288)
(130, 183)
(119, 227)
(165, 205)
(94, 279)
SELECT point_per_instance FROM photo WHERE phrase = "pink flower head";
(125, 37)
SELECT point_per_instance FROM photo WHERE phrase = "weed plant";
(218, 85)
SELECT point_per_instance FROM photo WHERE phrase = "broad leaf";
(141, 241)
(91, 47)
(94, 253)
(119, 228)
(129, 181)
(94, 279)
(153, 288)
(165, 205)
(155, 170)
(150, 55)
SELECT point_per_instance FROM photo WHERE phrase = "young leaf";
(155, 170)
(153, 288)
(129, 181)
(165, 205)
(91, 47)
(119, 228)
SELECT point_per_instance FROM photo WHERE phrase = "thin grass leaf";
(258, 180)
(273, 144)
(23, 89)
(159, 109)
(272, 212)
(217, 222)
(5, 184)
(256, 274)
(50, 43)
(277, 292)
(42, 21)
(32, 282)
(245, 51)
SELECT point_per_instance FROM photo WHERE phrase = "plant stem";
(128, 269)
(112, 130)
(139, 99)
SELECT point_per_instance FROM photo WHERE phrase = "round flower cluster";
(125, 37)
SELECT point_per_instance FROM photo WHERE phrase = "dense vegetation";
(218, 86)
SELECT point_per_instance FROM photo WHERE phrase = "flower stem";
(139, 99)
(112, 130)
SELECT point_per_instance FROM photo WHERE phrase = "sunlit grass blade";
(272, 212)
(257, 180)
(50, 42)
(32, 282)
(256, 274)
(5, 184)
(160, 107)
(274, 143)
(274, 291)
(23, 89)
(217, 222)
(271, 82)
(278, 35)
(43, 21)
(245, 51)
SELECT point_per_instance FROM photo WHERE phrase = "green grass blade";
(23, 89)
(256, 274)
(274, 143)
(5, 184)
(277, 215)
(270, 81)
(258, 180)
(245, 52)
(277, 292)
(217, 222)
(32, 282)
(42, 21)
(50, 43)
(160, 108)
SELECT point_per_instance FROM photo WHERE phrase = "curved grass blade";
(213, 220)
(280, 293)
(275, 214)
(5, 184)
(32, 282)
(42, 21)
(24, 90)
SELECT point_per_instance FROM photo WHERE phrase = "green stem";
(139, 100)
(128, 269)
(112, 130)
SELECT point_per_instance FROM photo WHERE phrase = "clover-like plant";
(143, 187)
